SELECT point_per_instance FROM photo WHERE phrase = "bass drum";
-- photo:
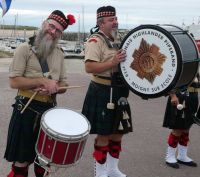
(159, 58)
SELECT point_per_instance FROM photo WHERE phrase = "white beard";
(44, 46)
(114, 34)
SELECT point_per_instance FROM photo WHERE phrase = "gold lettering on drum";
(147, 61)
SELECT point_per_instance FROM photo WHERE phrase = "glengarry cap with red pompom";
(63, 20)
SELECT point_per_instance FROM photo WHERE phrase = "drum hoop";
(61, 136)
(178, 52)
(58, 165)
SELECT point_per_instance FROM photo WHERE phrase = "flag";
(5, 5)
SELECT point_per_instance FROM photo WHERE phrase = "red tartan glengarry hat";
(106, 11)
(63, 20)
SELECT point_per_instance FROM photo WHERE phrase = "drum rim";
(63, 137)
(178, 53)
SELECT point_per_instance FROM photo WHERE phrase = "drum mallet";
(179, 107)
(111, 105)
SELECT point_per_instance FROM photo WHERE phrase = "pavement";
(143, 151)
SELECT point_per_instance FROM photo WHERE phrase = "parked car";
(77, 48)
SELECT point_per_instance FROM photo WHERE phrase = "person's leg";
(19, 170)
(100, 155)
(182, 150)
(114, 149)
(173, 140)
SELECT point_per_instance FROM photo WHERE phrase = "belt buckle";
(19, 107)
(20, 97)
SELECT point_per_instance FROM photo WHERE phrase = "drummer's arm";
(98, 67)
(42, 85)
(24, 83)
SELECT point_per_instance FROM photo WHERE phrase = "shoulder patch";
(92, 40)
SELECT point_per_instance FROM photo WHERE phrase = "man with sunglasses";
(38, 66)
(106, 105)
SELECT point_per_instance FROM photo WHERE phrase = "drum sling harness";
(44, 66)
(109, 45)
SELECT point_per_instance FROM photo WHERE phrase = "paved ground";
(143, 150)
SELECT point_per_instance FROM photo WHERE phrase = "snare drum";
(159, 58)
(62, 137)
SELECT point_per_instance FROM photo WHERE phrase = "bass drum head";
(153, 61)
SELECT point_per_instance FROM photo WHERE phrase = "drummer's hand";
(41, 91)
(50, 86)
(174, 100)
(119, 57)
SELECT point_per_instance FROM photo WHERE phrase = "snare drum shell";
(59, 153)
(187, 58)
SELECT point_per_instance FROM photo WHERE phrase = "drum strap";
(44, 66)
(107, 41)
(43, 63)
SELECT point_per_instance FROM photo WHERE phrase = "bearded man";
(37, 67)
(106, 105)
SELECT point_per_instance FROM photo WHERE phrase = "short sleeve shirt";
(97, 50)
(26, 64)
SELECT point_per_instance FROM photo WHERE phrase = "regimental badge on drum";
(147, 61)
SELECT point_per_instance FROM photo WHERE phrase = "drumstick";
(35, 93)
(29, 101)
(70, 87)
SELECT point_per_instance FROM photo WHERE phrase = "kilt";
(23, 130)
(106, 121)
(181, 119)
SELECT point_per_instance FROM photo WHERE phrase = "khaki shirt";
(97, 50)
(26, 64)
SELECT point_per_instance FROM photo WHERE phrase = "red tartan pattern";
(173, 140)
(59, 19)
(184, 139)
(114, 148)
(105, 14)
(100, 153)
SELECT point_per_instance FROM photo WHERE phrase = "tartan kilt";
(181, 119)
(23, 130)
(106, 121)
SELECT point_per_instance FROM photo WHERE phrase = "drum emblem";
(147, 61)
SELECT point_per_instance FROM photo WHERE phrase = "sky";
(130, 13)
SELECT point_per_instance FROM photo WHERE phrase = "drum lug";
(42, 161)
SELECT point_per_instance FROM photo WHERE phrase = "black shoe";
(191, 163)
(173, 165)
